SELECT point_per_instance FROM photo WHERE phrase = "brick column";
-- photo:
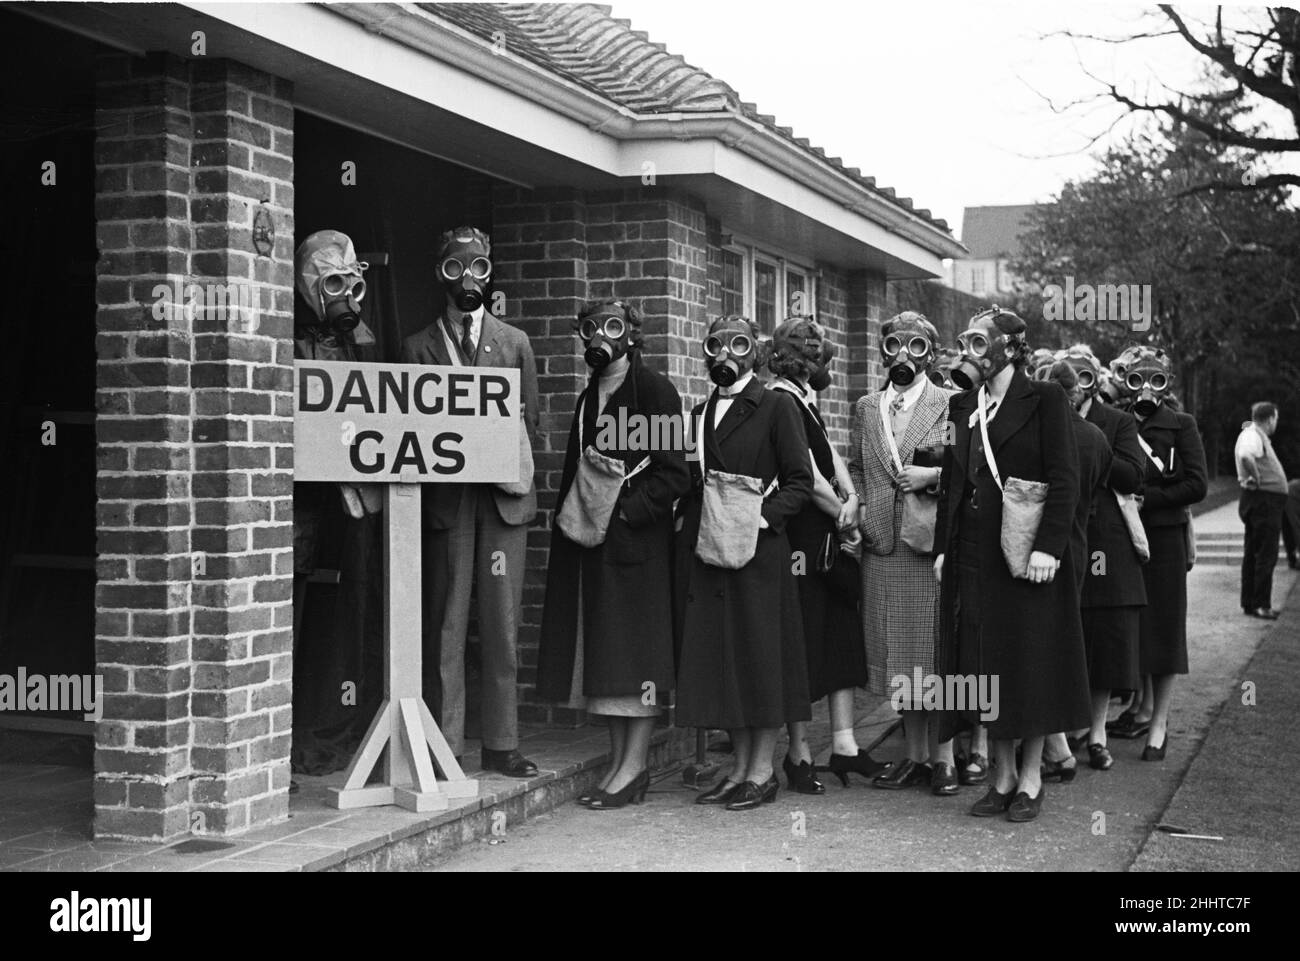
(539, 250)
(864, 311)
(243, 450)
(194, 571)
(832, 313)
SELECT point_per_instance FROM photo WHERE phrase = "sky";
(946, 102)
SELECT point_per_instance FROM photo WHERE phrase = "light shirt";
(909, 395)
(727, 397)
(610, 380)
(457, 320)
(1253, 444)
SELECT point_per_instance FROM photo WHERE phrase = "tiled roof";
(585, 44)
(991, 233)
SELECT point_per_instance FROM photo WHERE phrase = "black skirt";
(1163, 622)
(1110, 637)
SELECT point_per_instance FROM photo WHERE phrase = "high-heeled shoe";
(751, 795)
(1150, 753)
(973, 770)
(862, 764)
(1099, 757)
(1063, 770)
(632, 793)
(907, 773)
(1127, 726)
(801, 777)
(720, 793)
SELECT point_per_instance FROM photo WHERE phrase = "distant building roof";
(991, 233)
(585, 44)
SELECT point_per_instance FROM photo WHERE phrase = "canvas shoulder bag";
(730, 512)
(1131, 510)
(589, 504)
(1023, 502)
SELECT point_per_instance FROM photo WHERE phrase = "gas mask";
(984, 346)
(1087, 370)
(730, 349)
(800, 350)
(1143, 378)
(941, 373)
(607, 332)
(329, 278)
(465, 266)
(907, 347)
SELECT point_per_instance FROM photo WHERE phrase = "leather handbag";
(1023, 502)
(842, 571)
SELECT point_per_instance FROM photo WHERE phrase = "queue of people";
(998, 516)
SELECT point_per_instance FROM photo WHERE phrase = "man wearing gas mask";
(335, 526)
(470, 529)
(1021, 627)
(742, 664)
(1113, 596)
(1175, 479)
(895, 455)
(607, 627)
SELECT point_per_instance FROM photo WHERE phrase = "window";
(978, 280)
(764, 285)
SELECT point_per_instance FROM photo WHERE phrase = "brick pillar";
(864, 310)
(832, 313)
(192, 598)
(243, 451)
(539, 251)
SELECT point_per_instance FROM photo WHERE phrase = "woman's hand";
(848, 516)
(1042, 568)
(914, 479)
(851, 542)
(938, 568)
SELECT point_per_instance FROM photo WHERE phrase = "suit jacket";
(500, 345)
(1182, 482)
(872, 467)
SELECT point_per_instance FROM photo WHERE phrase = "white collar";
(909, 395)
(807, 393)
(729, 393)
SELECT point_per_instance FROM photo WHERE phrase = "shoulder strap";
(1151, 454)
(982, 411)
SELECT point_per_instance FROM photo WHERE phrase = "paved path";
(861, 828)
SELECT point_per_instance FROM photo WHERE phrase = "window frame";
(753, 252)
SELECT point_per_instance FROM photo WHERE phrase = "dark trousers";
(1261, 512)
(1291, 522)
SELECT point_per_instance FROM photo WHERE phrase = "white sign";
(399, 423)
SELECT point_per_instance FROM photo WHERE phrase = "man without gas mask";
(332, 531)
(469, 529)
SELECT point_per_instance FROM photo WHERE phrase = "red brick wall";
(194, 435)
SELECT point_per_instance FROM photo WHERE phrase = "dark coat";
(626, 581)
(1031, 635)
(1094, 465)
(499, 345)
(1182, 483)
(1121, 583)
(742, 658)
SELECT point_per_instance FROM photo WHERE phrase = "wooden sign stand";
(403, 723)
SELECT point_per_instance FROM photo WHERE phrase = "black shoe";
(802, 777)
(906, 774)
(977, 776)
(943, 779)
(1024, 808)
(1074, 743)
(862, 763)
(751, 795)
(991, 804)
(509, 763)
(633, 793)
(1265, 613)
(1150, 753)
(1099, 758)
(720, 793)
(1062, 771)
(1127, 727)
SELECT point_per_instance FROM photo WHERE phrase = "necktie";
(896, 405)
(467, 339)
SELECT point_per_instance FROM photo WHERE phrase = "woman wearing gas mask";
(607, 629)
(1009, 601)
(1175, 479)
(742, 664)
(895, 455)
(822, 536)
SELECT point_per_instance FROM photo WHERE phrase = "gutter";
(422, 31)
